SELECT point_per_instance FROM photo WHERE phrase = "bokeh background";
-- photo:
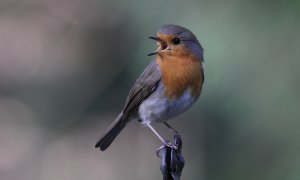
(66, 67)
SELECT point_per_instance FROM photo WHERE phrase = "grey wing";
(143, 87)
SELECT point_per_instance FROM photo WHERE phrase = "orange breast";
(181, 70)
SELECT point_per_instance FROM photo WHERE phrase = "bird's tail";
(111, 133)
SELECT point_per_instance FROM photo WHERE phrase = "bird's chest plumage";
(180, 72)
(178, 89)
(157, 107)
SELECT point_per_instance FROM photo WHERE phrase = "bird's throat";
(181, 71)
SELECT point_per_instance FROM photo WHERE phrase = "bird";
(169, 85)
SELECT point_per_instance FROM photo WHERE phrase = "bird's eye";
(176, 40)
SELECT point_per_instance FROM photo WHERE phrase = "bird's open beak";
(150, 54)
(155, 38)
(161, 45)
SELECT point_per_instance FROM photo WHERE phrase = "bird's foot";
(166, 143)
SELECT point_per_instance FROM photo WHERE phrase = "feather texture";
(181, 70)
(144, 86)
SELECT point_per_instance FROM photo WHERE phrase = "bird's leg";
(176, 136)
(165, 142)
(174, 131)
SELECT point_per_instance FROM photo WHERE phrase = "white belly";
(159, 108)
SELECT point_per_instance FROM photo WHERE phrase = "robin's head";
(174, 40)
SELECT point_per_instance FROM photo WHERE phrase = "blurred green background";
(66, 68)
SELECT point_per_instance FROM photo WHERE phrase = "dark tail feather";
(112, 132)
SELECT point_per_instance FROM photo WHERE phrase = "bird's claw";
(172, 146)
(167, 143)
(158, 151)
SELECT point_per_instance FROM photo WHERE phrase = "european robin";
(169, 85)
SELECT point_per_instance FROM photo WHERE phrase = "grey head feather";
(185, 35)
